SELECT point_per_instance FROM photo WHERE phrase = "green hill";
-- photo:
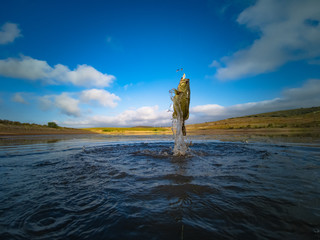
(307, 119)
(17, 128)
(289, 113)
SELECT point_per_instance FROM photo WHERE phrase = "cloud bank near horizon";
(305, 96)
(143, 116)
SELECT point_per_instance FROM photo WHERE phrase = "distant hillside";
(17, 128)
(303, 119)
(288, 113)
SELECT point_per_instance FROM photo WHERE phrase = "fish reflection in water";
(140, 190)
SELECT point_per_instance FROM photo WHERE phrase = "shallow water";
(134, 188)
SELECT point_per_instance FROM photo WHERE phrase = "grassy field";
(17, 128)
(296, 120)
(132, 130)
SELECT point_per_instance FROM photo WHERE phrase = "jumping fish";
(182, 101)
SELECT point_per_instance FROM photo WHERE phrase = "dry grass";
(132, 131)
(17, 128)
(297, 120)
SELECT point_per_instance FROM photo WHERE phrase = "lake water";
(100, 187)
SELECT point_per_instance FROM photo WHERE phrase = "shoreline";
(167, 131)
(192, 131)
(39, 133)
(243, 136)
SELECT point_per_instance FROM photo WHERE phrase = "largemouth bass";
(182, 101)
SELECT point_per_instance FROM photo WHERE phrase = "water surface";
(98, 187)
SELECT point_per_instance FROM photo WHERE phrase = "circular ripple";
(46, 221)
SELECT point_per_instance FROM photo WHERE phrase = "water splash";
(180, 145)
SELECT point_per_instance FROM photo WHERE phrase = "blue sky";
(112, 63)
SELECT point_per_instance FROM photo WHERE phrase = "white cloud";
(38, 70)
(144, 116)
(209, 109)
(101, 96)
(17, 97)
(83, 75)
(9, 32)
(25, 68)
(66, 104)
(289, 30)
(306, 96)
(69, 105)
